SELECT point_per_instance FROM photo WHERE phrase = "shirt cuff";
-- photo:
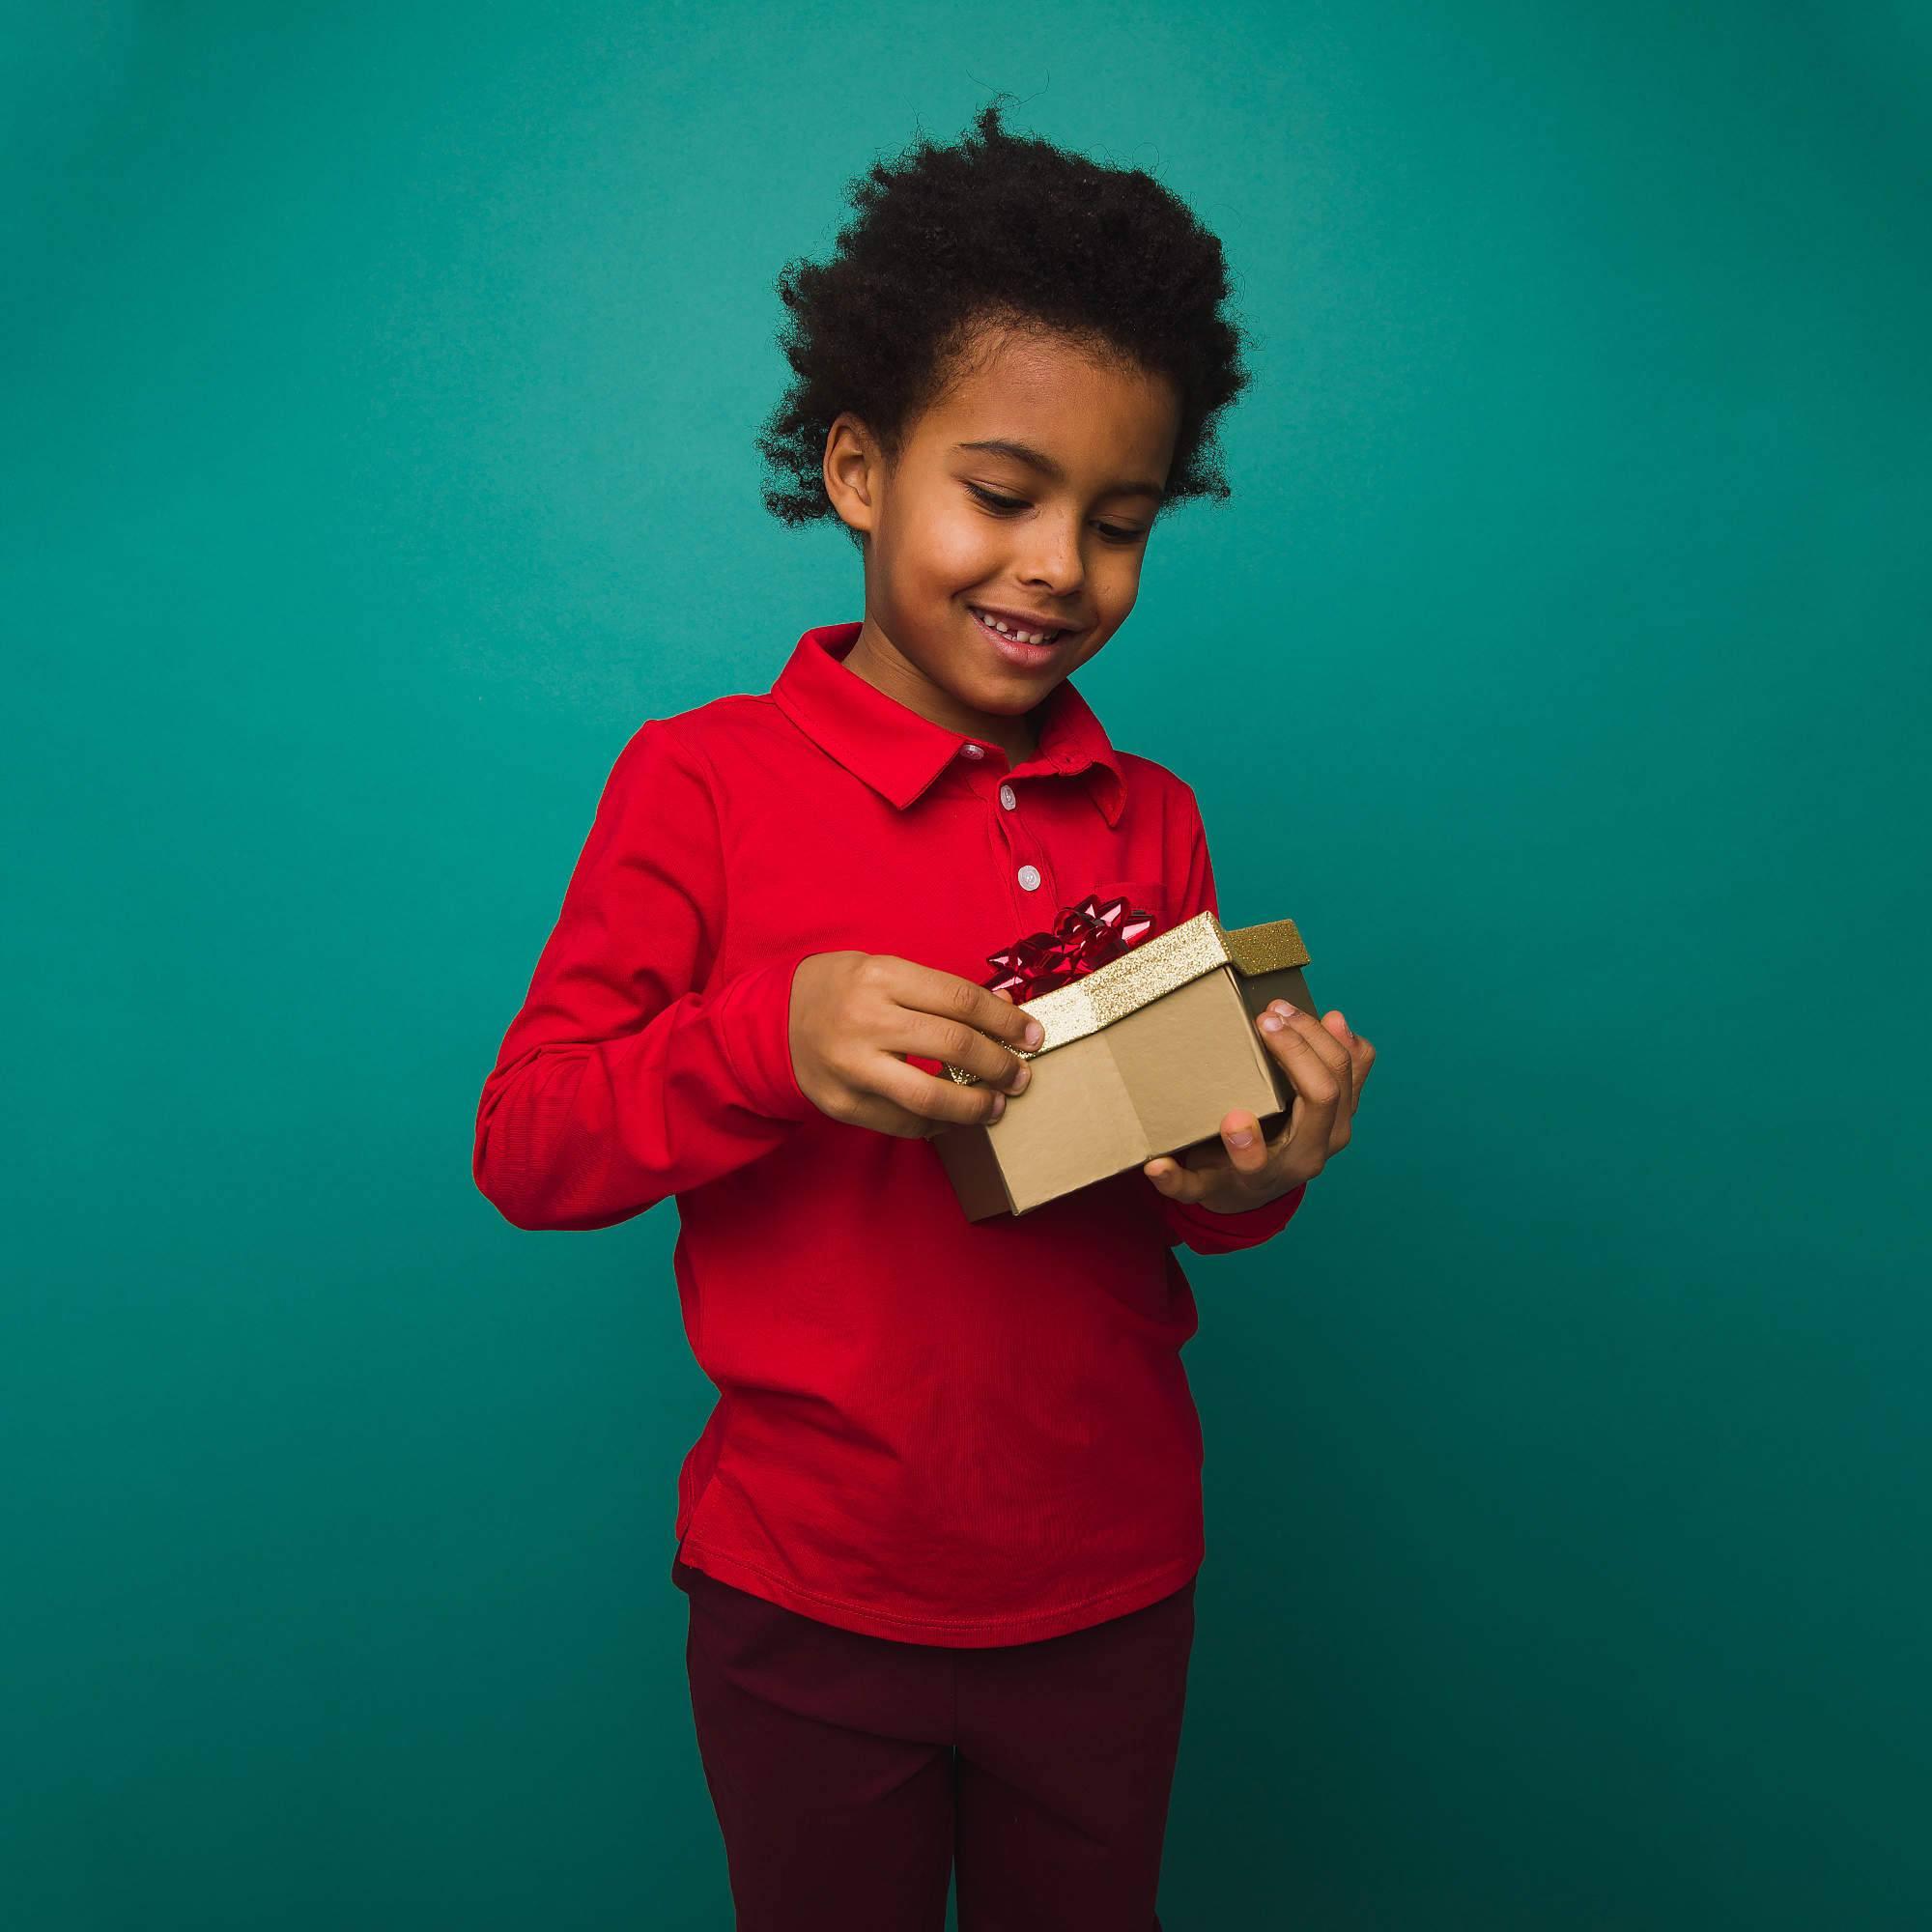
(1207, 1232)
(753, 1015)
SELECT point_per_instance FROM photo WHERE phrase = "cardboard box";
(1142, 1056)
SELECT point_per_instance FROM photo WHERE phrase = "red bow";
(1084, 937)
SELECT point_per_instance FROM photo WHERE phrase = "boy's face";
(951, 527)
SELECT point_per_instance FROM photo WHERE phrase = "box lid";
(1145, 972)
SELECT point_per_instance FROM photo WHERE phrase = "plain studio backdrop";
(381, 392)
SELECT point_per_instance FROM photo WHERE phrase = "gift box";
(1149, 1040)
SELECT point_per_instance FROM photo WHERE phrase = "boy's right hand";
(855, 1014)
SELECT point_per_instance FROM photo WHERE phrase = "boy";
(940, 1533)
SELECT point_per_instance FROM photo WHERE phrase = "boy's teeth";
(1008, 631)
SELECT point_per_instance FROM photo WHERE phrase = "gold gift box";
(1142, 1056)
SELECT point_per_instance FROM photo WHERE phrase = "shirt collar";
(900, 753)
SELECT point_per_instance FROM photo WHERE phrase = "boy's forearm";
(575, 1134)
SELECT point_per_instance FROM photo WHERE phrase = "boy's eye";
(994, 503)
(1006, 505)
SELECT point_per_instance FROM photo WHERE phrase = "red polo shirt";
(928, 1429)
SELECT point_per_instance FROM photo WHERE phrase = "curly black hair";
(1004, 228)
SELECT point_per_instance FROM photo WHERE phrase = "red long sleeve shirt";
(928, 1429)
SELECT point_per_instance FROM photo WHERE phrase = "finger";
(1247, 1148)
(1316, 1062)
(951, 996)
(907, 1100)
(1335, 1023)
(1203, 1171)
(1175, 1181)
(1318, 1036)
(887, 1117)
(954, 1043)
(1318, 1066)
(1361, 1050)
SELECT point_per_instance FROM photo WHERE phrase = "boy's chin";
(1011, 696)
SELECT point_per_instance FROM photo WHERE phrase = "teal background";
(380, 389)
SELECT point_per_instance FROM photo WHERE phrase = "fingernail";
(1241, 1139)
(1022, 1074)
(999, 1106)
(1273, 1022)
(1034, 1033)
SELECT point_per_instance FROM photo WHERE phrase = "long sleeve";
(631, 1074)
(1202, 1228)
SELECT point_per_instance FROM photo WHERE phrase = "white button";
(1029, 877)
(971, 751)
(1006, 797)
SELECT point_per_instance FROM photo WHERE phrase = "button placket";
(1029, 873)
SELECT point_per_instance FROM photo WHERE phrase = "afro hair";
(1003, 228)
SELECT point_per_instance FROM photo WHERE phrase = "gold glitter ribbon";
(1154, 967)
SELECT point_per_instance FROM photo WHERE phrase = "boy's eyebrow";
(1038, 458)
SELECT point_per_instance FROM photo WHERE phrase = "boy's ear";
(851, 472)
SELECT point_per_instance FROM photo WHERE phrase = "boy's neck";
(886, 670)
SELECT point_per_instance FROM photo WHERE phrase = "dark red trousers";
(849, 1771)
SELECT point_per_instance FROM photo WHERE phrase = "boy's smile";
(1020, 504)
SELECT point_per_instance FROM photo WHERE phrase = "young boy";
(940, 1533)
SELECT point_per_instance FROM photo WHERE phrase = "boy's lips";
(1013, 649)
(1023, 620)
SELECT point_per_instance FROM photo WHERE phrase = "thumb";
(1241, 1133)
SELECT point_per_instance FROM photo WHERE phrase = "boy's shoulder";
(1151, 775)
(1158, 787)
(721, 730)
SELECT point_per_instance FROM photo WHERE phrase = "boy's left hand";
(1327, 1065)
